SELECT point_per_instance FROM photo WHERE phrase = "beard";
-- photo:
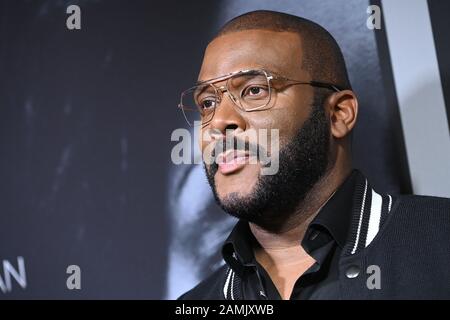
(302, 162)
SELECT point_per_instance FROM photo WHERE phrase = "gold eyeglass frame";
(219, 91)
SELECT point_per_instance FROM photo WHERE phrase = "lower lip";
(235, 165)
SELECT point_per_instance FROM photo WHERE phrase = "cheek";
(203, 137)
(290, 112)
(205, 141)
(281, 123)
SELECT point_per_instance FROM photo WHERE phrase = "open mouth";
(232, 160)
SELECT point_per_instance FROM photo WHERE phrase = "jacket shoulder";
(433, 205)
(209, 289)
(427, 213)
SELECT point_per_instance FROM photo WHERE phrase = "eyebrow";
(270, 71)
(202, 90)
(222, 76)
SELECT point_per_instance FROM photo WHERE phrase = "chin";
(232, 193)
(237, 184)
(235, 187)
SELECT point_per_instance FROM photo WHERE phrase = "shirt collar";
(334, 216)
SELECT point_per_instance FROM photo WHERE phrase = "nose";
(227, 117)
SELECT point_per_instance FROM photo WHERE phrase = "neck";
(292, 229)
(280, 252)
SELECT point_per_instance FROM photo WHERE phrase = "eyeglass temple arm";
(326, 85)
(314, 83)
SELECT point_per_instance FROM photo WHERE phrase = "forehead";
(279, 52)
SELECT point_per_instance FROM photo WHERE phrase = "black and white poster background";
(86, 118)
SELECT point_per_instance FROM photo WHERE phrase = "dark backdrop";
(86, 118)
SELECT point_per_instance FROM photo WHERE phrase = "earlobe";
(343, 106)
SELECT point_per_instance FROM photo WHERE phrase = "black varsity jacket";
(404, 241)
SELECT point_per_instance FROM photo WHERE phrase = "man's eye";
(207, 103)
(255, 91)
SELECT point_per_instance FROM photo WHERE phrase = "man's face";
(290, 114)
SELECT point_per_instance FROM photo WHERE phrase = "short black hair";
(323, 58)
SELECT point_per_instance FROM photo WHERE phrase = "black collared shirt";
(324, 240)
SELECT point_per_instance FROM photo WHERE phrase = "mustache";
(224, 145)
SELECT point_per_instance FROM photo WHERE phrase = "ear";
(343, 106)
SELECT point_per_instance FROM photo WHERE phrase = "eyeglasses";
(249, 90)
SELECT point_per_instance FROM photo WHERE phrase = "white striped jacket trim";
(361, 214)
(229, 284)
(375, 217)
(375, 213)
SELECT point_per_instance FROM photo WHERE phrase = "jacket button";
(352, 272)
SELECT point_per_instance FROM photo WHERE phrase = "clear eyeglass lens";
(249, 91)
(198, 104)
